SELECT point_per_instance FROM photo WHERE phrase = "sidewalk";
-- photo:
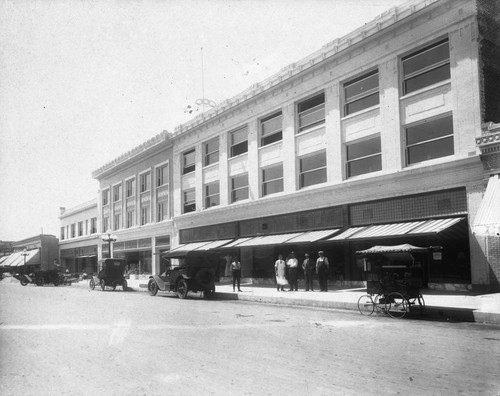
(439, 305)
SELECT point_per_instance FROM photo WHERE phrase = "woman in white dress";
(279, 269)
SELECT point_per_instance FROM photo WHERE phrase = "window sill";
(425, 89)
(312, 129)
(361, 112)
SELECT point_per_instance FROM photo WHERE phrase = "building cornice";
(79, 208)
(489, 141)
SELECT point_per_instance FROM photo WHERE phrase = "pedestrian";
(292, 264)
(236, 272)
(308, 267)
(322, 269)
(279, 269)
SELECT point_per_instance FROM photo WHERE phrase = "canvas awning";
(213, 245)
(289, 238)
(269, 239)
(393, 249)
(426, 227)
(313, 236)
(18, 259)
(487, 221)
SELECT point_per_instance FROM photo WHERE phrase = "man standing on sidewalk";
(293, 264)
(322, 269)
(308, 267)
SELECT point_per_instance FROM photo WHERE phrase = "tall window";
(80, 228)
(312, 169)
(130, 188)
(116, 221)
(130, 218)
(161, 211)
(212, 197)
(117, 192)
(427, 66)
(361, 93)
(73, 230)
(161, 175)
(271, 129)
(430, 139)
(272, 180)
(145, 180)
(211, 152)
(189, 200)
(239, 188)
(144, 215)
(105, 197)
(311, 112)
(188, 161)
(364, 156)
(105, 224)
(93, 225)
(62, 233)
(238, 141)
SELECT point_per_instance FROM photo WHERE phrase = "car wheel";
(91, 284)
(209, 293)
(124, 285)
(182, 288)
(103, 284)
(24, 281)
(39, 281)
(152, 287)
(204, 278)
(56, 283)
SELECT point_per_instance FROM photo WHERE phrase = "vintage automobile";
(187, 271)
(111, 274)
(42, 277)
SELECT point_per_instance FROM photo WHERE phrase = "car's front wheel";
(24, 281)
(152, 287)
(182, 288)
(91, 284)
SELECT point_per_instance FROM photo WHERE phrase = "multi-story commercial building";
(369, 141)
(134, 204)
(79, 237)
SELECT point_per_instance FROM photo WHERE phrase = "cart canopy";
(405, 248)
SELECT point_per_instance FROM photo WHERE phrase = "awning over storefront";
(487, 221)
(393, 249)
(427, 227)
(278, 239)
(213, 245)
(188, 247)
(269, 239)
(2, 259)
(17, 259)
(313, 236)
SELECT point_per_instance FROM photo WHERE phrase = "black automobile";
(111, 274)
(187, 271)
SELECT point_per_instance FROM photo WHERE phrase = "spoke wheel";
(91, 284)
(366, 305)
(103, 284)
(379, 302)
(24, 281)
(398, 305)
(182, 288)
(152, 287)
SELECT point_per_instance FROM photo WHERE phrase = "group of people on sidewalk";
(286, 272)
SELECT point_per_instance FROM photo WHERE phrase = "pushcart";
(393, 280)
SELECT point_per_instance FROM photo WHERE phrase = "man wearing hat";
(322, 269)
(292, 264)
(308, 267)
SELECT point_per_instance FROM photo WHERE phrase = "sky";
(84, 81)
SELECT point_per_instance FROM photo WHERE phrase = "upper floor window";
(144, 215)
(189, 200)
(130, 188)
(363, 156)
(130, 218)
(311, 112)
(161, 211)
(62, 233)
(239, 187)
(212, 197)
(361, 93)
(73, 230)
(211, 152)
(80, 228)
(427, 66)
(117, 221)
(312, 169)
(93, 225)
(145, 180)
(161, 175)
(188, 161)
(105, 224)
(272, 180)
(105, 197)
(117, 192)
(271, 129)
(429, 139)
(238, 141)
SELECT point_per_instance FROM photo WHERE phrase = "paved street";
(68, 340)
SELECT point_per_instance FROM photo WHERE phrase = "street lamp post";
(109, 237)
(24, 254)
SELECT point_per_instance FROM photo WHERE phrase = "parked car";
(111, 274)
(187, 271)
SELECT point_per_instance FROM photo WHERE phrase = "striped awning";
(236, 242)
(313, 236)
(213, 245)
(189, 246)
(18, 259)
(269, 239)
(426, 227)
(487, 221)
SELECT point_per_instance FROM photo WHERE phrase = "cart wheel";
(24, 281)
(366, 305)
(124, 285)
(103, 284)
(398, 305)
(182, 288)
(379, 302)
(91, 284)
(152, 287)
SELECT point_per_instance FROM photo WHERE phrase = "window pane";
(365, 165)
(431, 150)
(238, 195)
(313, 162)
(240, 148)
(271, 139)
(188, 162)
(272, 187)
(363, 103)
(211, 189)
(272, 173)
(429, 130)
(363, 148)
(433, 76)
(361, 86)
(426, 58)
(241, 135)
(271, 125)
(239, 182)
(314, 177)
(312, 117)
